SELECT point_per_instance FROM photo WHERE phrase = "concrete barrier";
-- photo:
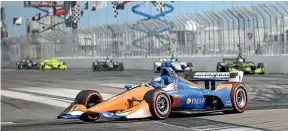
(273, 64)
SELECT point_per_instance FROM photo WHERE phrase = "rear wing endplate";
(216, 76)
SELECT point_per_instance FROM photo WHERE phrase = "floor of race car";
(31, 100)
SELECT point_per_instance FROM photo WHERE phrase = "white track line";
(34, 98)
(64, 92)
(7, 123)
(58, 102)
(209, 128)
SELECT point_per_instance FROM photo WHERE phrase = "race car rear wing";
(215, 76)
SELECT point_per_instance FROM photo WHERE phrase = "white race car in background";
(177, 66)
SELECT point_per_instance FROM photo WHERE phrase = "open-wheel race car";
(176, 65)
(27, 64)
(240, 64)
(53, 64)
(107, 65)
(162, 95)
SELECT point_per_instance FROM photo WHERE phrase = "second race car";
(27, 64)
(107, 65)
(53, 64)
(163, 95)
(240, 64)
(175, 65)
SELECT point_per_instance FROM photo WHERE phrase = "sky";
(92, 18)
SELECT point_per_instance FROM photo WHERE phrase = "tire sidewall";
(83, 97)
(233, 96)
(153, 94)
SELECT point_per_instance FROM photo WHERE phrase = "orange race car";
(164, 94)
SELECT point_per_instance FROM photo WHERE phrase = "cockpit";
(166, 77)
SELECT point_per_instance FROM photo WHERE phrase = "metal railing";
(258, 30)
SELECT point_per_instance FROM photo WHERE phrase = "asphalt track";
(30, 100)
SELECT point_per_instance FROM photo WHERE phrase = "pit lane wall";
(273, 64)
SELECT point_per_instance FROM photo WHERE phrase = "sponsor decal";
(188, 101)
(228, 103)
(196, 101)
(211, 75)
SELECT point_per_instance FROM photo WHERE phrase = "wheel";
(38, 66)
(19, 67)
(261, 65)
(228, 67)
(156, 69)
(189, 64)
(220, 68)
(93, 66)
(239, 99)
(88, 98)
(159, 103)
(121, 66)
(43, 67)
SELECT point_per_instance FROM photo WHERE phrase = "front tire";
(88, 98)
(159, 103)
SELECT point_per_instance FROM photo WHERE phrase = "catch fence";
(257, 30)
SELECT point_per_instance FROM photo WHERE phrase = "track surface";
(32, 99)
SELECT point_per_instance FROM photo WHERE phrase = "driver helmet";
(157, 82)
(240, 60)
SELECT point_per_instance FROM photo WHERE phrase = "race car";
(107, 65)
(176, 65)
(240, 64)
(27, 64)
(53, 64)
(163, 95)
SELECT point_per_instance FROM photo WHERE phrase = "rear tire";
(156, 69)
(228, 67)
(121, 66)
(189, 64)
(88, 98)
(93, 66)
(239, 99)
(19, 67)
(159, 103)
(261, 65)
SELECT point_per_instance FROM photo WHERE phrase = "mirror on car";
(127, 86)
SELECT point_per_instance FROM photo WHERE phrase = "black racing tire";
(218, 67)
(42, 67)
(228, 66)
(88, 98)
(156, 71)
(239, 98)
(261, 65)
(154, 98)
(93, 66)
(37, 66)
(19, 67)
(121, 67)
(189, 64)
